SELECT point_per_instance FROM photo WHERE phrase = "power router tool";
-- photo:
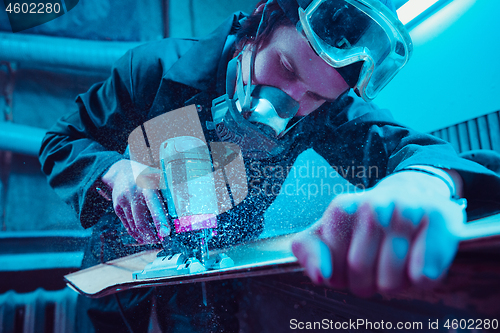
(188, 188)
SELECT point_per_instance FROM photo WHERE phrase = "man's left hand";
(385, 238)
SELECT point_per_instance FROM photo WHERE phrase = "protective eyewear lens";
(367, 44)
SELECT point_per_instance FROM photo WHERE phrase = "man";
(306, 57)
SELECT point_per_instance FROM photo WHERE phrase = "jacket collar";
(198, 67)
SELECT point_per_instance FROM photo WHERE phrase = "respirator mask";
(255, 117)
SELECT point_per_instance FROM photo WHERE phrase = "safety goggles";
(363, 39)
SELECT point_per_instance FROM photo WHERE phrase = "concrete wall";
(453, 75)
(40, 97)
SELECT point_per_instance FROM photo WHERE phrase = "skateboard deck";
(260, 257)
(256, 258)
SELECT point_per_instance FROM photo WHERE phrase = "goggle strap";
(248, 89)
(263, 18)
(248, 99)
(231, 75)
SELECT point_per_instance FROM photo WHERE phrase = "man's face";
(287, 62)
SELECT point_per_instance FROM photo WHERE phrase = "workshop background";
(450, 87)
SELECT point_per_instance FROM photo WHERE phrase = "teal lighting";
(415, 11)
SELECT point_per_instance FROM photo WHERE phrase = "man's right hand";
(141, 210)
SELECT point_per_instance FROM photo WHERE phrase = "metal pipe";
(21, 139)
(61, 54)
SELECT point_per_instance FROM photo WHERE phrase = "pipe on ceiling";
(61, 54)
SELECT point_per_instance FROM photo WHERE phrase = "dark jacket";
(165, 75)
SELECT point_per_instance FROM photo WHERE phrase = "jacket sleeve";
(82, 145)
(367, 139)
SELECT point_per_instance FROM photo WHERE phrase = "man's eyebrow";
(316, 95)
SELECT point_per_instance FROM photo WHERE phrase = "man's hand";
(141, 210)
(385, 238)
